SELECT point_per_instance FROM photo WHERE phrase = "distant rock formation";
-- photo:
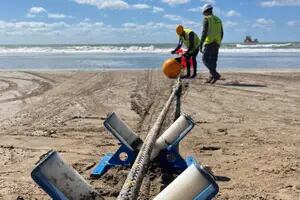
(248, 40)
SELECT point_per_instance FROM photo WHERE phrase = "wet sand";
(247, 127)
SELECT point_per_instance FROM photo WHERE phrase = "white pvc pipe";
(120, 129)
(67, 180)
(170, 135)
(187, 186)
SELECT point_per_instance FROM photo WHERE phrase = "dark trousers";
(188, 63)
(193, 55)
(210, 58)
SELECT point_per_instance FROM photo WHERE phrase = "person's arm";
(222, 32)
(191, 40)
(204, 33)
(178, 46)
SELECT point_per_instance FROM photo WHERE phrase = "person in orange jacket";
(191, 40)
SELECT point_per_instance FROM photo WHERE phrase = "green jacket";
(186, 39)
(212, 30)
(190, 39)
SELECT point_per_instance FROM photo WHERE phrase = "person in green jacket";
(191, 40)
(212, 36)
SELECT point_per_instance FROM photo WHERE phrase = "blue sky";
(142, 21)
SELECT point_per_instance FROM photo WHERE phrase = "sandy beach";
(247, 127)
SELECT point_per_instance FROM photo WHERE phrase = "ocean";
(233, 57)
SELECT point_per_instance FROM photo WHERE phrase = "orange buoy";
(171, 68)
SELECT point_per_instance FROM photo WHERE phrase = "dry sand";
(247, 127)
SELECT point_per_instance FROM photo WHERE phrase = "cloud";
(195, 9)
(86, 31)
(157, 9)
(118, 4)
(173, 17)
(274, 3)
(177, 18)
(213, 2)
(230, 24)
(30, 28)
(218, 11)
(140, 6)
(129, 26)
(35, 10)
(58, 16)
(263, 23)
(293, 23)
(82, 29)
(232, 13)
(175, 2)
(105, 4)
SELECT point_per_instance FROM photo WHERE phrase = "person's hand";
(201, 48)
(173, 52)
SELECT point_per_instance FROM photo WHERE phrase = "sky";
(142, 21)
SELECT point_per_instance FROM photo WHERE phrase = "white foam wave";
(124, 49)
(258, 50)
(82, 49)
(263, 45)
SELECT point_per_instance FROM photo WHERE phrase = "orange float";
(171, 68)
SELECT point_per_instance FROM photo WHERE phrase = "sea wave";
(263, 45)
(259, 50)
(131, 49)
(82, 49)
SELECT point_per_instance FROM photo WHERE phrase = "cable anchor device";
(127, 152)
(166, 148)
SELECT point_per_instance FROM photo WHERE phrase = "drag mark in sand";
(147, 99)
(40, 76)
(11, 86)
(42, 88)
